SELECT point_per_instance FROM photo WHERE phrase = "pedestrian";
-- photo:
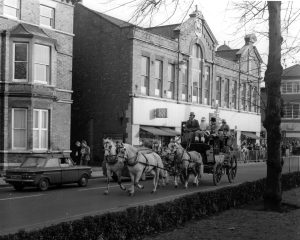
(76, 153)
(85, 153)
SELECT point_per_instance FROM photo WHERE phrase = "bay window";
(20, 62)
(19, 128)
(42, 63)
(40, 129)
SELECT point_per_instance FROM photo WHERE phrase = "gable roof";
(293, 71)
(113, 20)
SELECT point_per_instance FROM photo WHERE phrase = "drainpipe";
(239, 92)
(178, 70)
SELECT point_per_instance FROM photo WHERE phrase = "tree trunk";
(273, 193)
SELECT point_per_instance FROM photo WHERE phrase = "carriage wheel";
(232, 169)
(217, 173)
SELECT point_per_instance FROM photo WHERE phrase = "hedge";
(137, 222)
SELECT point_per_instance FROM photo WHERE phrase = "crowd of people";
(195, 132)
(81, 153)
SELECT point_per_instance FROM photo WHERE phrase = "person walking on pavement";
(76, 153)
(85, 153)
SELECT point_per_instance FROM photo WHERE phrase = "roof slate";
(165, 31)
(293, 71)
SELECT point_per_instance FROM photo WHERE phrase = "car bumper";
(27, 182)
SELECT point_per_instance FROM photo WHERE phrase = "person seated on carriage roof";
(224, 127)
(213, 127)
(192, 124)
(203, 131)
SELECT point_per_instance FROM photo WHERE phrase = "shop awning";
(155, 131)
(170, 131)
(251, 135)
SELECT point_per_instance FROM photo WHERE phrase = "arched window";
(196, 67)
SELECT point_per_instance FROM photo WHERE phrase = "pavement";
(247, 222)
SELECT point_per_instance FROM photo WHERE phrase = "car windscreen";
(34, 163)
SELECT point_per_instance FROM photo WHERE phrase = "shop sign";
(161, 113)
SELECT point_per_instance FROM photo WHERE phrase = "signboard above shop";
(161, 113)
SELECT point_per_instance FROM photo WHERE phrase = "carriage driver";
(192, 125)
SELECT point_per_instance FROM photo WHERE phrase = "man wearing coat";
(192, 125)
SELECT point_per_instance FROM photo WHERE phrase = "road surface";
(31, 209)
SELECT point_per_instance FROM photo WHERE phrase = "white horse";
(189, 162)
(139, 162)
(114, 164)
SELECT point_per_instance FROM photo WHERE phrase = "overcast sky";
(220, 16)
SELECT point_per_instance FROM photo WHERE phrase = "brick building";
(290, 92)
(36, 47)
(132, 83)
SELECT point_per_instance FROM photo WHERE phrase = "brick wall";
(101, 79)
(56, 98)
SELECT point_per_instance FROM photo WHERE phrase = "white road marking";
(29, 196)
(111, 186)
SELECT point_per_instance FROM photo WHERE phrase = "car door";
(53, 171)
(69, 171)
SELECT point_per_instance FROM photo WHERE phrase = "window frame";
(18, 10)
(234, 94)
(145, 77)
(171, 80)
(226, 93)
(49, 75)
(158, 77)
(51, 19)
(40, 129)
(27, 62)
(206, 84)
(13, 128)
(218, 92)
(184, 82)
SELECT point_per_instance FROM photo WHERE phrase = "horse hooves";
(152, 192)
(176, 186)
(130, 194)
(105, 192)
(195, 184)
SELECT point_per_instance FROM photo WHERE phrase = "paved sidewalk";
(247, 222)
(96, 173)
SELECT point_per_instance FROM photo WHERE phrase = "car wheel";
(43, 184)
(18, 187)
(83, 181)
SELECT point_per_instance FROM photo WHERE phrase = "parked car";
(41, 172)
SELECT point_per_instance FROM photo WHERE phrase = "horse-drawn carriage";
(216, 151)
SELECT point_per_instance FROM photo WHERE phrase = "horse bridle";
(110, 158)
